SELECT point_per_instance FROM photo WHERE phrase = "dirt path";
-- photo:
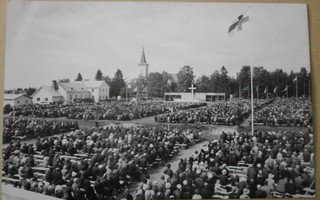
(155, 174)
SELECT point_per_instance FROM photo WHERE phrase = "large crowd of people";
(92, 164)
(101, 163)
(102, 110)
(273, 165)
(286, 112)
(222, 113)
(33, 128)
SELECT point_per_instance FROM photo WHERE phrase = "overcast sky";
(55, 40)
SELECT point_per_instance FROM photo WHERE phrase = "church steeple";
(143, 61)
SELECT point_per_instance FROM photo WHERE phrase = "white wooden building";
(68, 92)
(16, 99)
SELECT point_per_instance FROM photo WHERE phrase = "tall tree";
(261, 79)
(107, 79)
(79, 77)
(117, 84)
(224, 81)
(303, 80)
(203, 83)
(214, 81)
(169, 82)
(156, 88)
(245, 81)
(185, 78)
(99, 76)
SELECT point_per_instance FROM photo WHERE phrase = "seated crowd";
(286, 112)
(223, 113)
(32, 128)
(265, 165)
(92, 164)
(103, 110)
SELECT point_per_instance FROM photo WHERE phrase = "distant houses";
(16, 99)
(68, 92)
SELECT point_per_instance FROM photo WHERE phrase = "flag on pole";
(266, 90)
(275, 89)
(295, 79)
(285, 89)
(238, 24)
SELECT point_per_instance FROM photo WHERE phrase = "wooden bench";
(242, 164)
(302, 196)
(182, 146)
(277, 194)
(237, 169)
(19, 137)
(70, 157)
(81, 155)
(10, 179)
(41, 169)
(38, 156)
(309, 190)
(217, 196)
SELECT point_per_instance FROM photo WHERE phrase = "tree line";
(277, 83)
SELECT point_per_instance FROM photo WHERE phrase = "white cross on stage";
(192, 90)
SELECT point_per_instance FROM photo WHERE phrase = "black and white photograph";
(157, 100)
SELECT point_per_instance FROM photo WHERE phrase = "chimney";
(55, 85)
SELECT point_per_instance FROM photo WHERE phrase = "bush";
(7, 109)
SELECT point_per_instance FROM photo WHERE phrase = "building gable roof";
(72, 86)
(14, 96)
(48, 89)
(93, 84)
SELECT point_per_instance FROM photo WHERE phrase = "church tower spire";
(143, 63)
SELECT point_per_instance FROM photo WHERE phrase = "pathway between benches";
(155, 174)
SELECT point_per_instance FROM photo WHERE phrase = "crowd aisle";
(265, 165)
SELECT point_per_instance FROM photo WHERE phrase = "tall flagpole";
(297, 87)
(252, 117)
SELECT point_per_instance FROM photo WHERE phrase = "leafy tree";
(303, 80)
(168, 82)
(224, 85)
(99, 76)
(185, 78)
(245, 81)
(30, 91)
(7, 109)
(203, 84)
(234, 87)
(64, 80)
(261, 78)
(214, 81)
(79, 77)
(156, 88)
(117, 84)
(107, 79)
(278, 79)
